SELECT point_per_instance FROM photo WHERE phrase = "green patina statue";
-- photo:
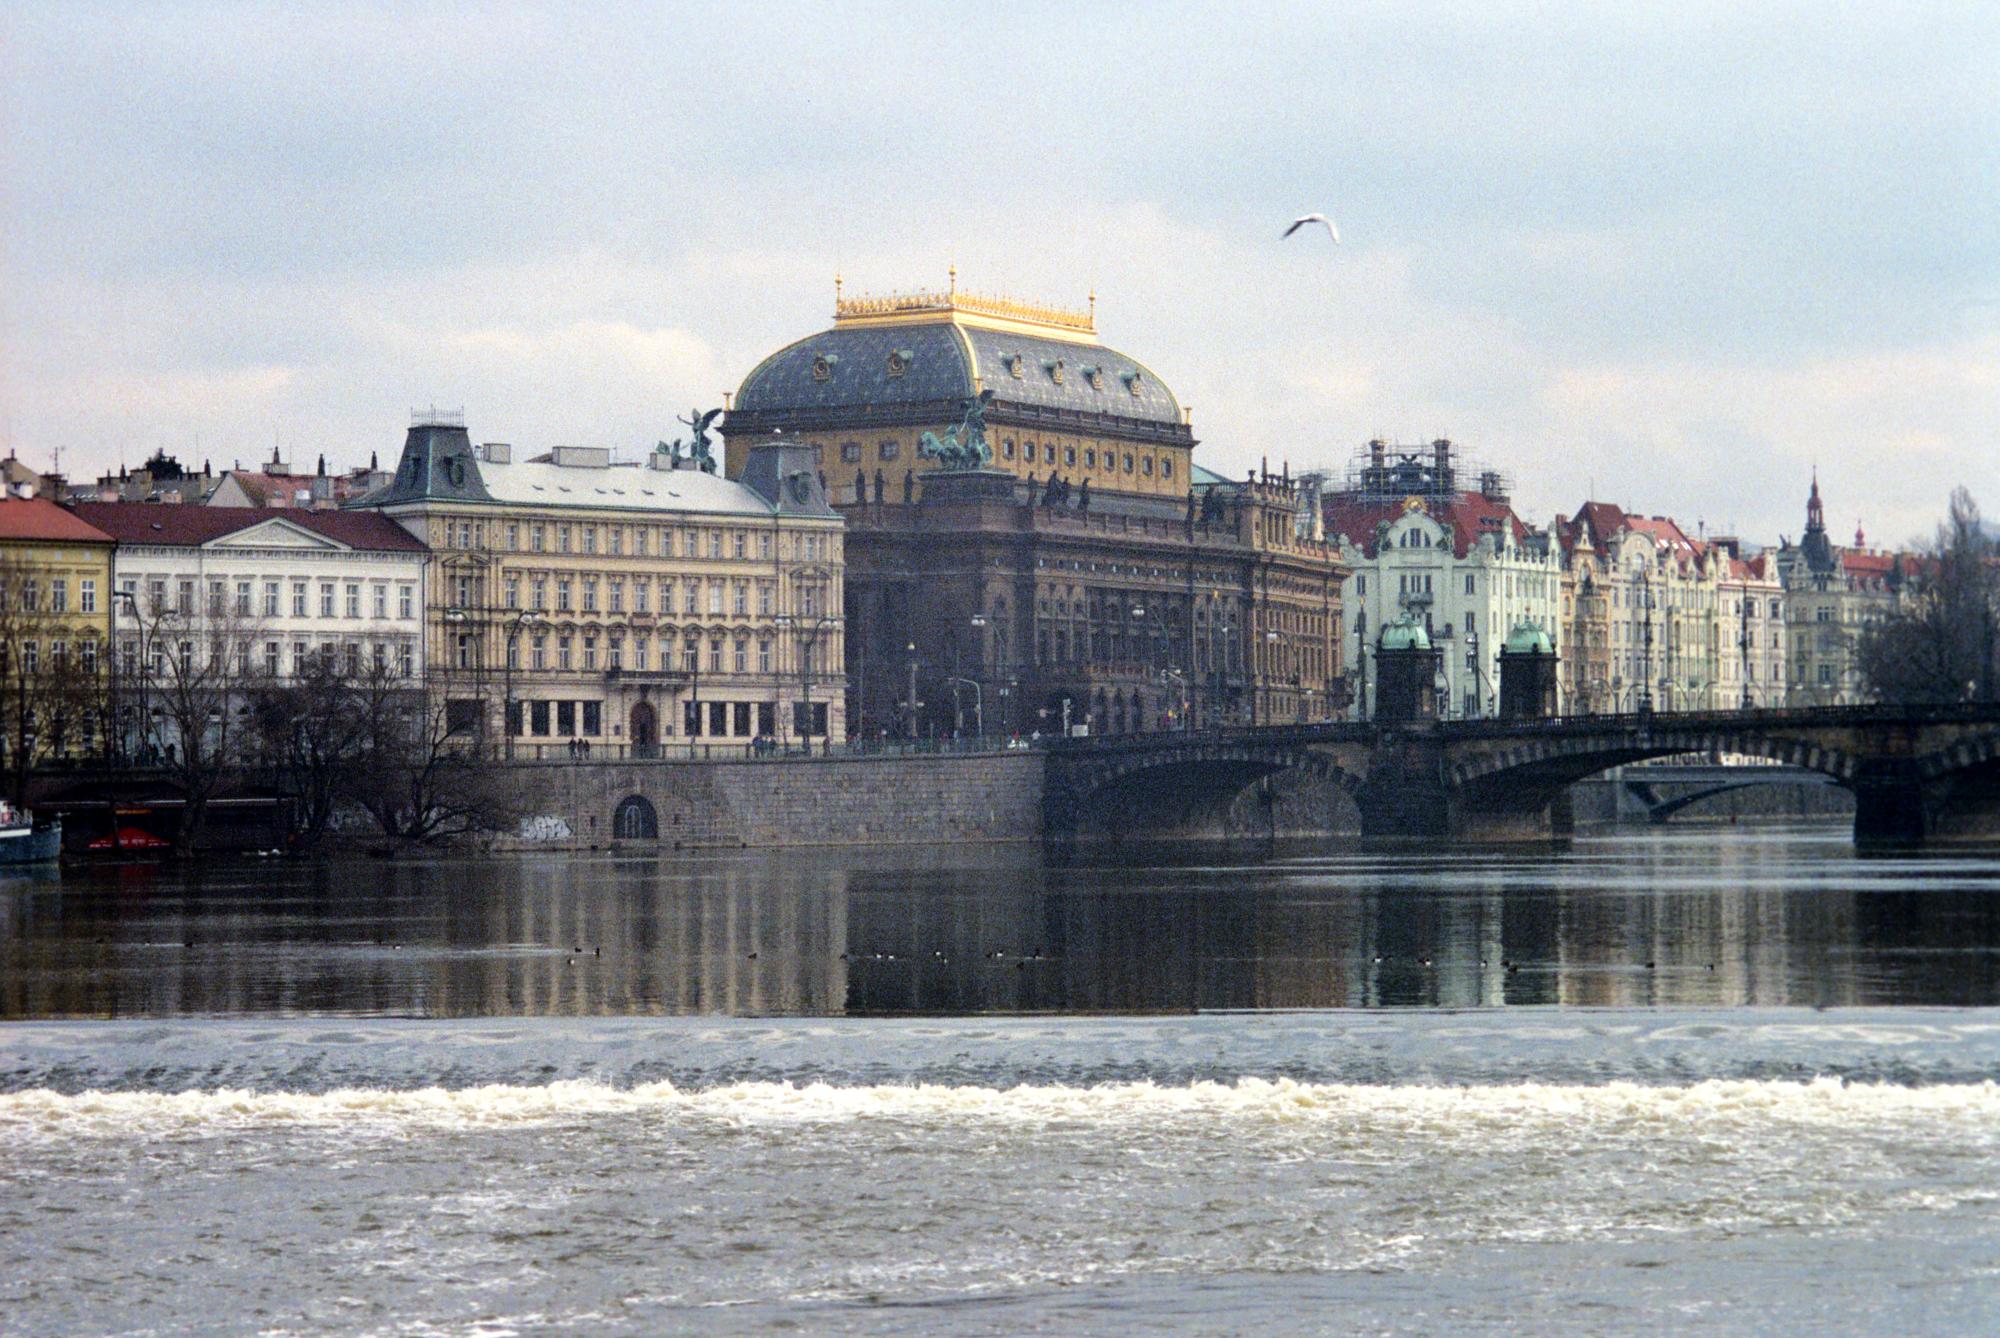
(699, 450)
(963, 447)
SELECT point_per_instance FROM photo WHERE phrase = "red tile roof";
(39, 518)
(1468, 516)
(192, 526)
(1860, 561)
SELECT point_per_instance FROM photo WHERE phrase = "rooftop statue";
(963, 447)
(699, 449)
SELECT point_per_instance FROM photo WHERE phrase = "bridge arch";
(1560, 760)
(1168, 786)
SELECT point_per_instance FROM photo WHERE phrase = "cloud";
(1677, 254)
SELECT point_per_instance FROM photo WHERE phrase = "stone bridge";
(1917, 773)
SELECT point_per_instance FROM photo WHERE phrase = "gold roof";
(1003, 313)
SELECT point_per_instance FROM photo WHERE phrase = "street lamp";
(115, 736)
(1270, 658)
(524, 618)
(1176, 676)
(808, 632)
(978, 625)
(1472, 663)
(1646, 642)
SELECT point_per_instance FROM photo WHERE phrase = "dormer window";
(823, 366)
(899, 362)
(1095, 376)
(1016, 365)
(1132, 382)
(1054, 367)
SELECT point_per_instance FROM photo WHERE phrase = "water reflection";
(1714, 918)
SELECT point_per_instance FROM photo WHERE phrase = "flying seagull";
(1304, 219)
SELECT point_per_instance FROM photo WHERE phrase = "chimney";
(1377, 453)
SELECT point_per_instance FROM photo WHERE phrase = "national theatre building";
(1030, 544)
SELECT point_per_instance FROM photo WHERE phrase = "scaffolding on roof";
(1384, 472)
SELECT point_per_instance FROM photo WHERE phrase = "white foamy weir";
(1609, 1109)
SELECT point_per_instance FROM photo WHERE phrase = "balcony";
(667, 677)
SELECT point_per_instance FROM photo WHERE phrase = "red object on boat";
(129, 838)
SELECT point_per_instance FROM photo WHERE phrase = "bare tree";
(1940, 646)
(198, 678)
(424, 772)
(51, 676)
(310, 731)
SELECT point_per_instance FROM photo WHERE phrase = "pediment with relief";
(277, 533)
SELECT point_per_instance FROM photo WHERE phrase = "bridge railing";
(1624, 722)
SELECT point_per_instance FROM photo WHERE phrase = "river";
(1721, 1081)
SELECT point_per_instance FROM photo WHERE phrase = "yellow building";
(630, 608)
(55, 621)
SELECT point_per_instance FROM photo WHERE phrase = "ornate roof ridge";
(954, 302)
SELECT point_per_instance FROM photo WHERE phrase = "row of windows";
(27, 592)
(270, 657)
(30, 661)
(715, 596)
(537, 536)
(589, 653)
(1049, 453)
(699, 719)
(272, 597)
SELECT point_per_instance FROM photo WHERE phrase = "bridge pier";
(1407, 797)
(1894, 805)
(1890, 809)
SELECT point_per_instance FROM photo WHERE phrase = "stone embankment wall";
(785, 802)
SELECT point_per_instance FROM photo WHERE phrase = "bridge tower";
(1527, 674)
(1406, 673)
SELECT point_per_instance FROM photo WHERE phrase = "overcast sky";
(1668, 257)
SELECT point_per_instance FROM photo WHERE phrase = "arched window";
(635, 819)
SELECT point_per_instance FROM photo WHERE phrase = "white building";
(1460, 561)
(286, 586)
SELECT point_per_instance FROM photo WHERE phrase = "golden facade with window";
(55, 623)
(579, 603)
(863, 394)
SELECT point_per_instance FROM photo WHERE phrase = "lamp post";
(524, 618)
(910, 702)
(1361, 664)
(1478, 673)
(1645, 702)
(808, 632)
(1177, 677)
(114, 742)
(1743, 645)
(1270, 656)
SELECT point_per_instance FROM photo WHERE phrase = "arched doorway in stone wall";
(635, 819)
(644, 729)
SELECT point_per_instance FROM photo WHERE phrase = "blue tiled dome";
(854, 367)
